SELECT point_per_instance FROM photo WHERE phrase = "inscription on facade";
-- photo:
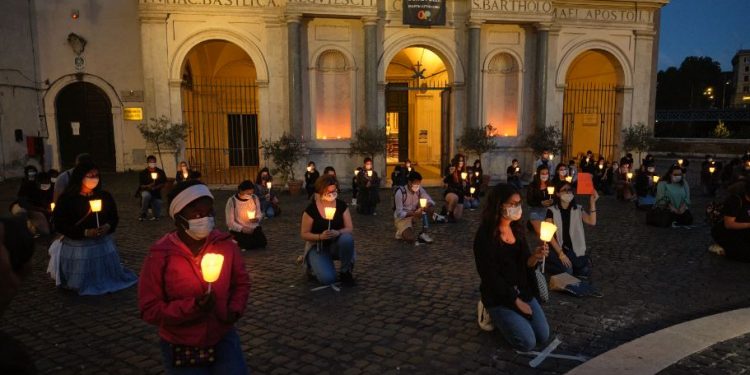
(218, 3)
(545, 8)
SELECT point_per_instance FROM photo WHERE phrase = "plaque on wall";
(132, 113)
(424, 12)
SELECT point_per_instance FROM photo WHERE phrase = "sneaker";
(354, 201)
(142, 217)
(483, 318)
(438, 218)
(153, 218)
(716, 249)
(425, 238)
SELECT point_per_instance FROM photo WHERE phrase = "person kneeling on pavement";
(408, 209)
(327, 231)
(733, 232)
(569, 242)
(243, 215)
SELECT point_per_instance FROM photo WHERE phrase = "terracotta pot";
(295, 186)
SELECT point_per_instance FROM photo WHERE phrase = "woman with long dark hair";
(673, 193)
(537, 196)
(269, 202)
(506, 269)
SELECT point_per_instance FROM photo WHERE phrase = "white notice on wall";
(76, 127)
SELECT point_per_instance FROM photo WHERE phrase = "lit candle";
(356, 171)
(518, 169)
(269, 184)
(629, 175)
(96, 207)
(679, 161)
(476, 174)
(408, 169)
(472, 190)
(154, 175)
(546, 232)
(551, 157)
(655, 178)
(464, 175)
(711, 169)
(550, 190)
(369, 173)
(569, 179)
(423, 202)
(211, 268)
(52, 206)
(251, 214)
(184, 175)
(329, 212)
(601, 166)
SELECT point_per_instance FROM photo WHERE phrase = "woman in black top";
(538, 197)
(514, 174)
(733, 233)
(368, 185)
(456, 189)
(326, 241)
(506, 269)
(310, 177)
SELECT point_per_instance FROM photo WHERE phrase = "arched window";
(502, 93)
(333, 96)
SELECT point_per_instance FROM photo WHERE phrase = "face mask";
(676, 179)
(330, 197)
(91, 183)
(460, 164)
(53, 179)
(544, 177)
(309, 169)
(415, 188)
(152, 165)
(513, 213)
(563, 172)
(566, 197)
(199, 229)
(32, 176)
(651, 169)
(184, 169)
(368, 167)
(45, 187)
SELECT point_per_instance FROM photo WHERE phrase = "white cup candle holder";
(546, 232)
(550, 190)
(464, 175)
(472, 190)
(251, 214)
(330, 212)
(369, 173)
(211, 268)
(96, 207)
(269, 185)
(655, 178)
(154, 176)
(423, 202)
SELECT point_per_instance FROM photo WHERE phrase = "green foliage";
(637, 138)
(478, 140)
(285, 152)
(547, 138)
(685, 86)
(162, 132)
(721, 131)
(368, 142)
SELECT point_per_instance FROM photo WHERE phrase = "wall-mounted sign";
(132, 113)
(75, 127)
(131, 95)
(424, 12)
(422, 135)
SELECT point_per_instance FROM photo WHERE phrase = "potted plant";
(637, 138)
(163, 133)
(368, 142)
(285, 152)
(546, 138)
(478, 141)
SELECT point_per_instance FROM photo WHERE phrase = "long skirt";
(92, 267)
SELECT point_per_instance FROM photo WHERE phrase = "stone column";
(294, 56)
(644, 77)
(155, 67)
(542, 45)
(371, 71)
(473, 75)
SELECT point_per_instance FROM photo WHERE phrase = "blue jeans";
(148, 200)
(267, 209)
(321, 260)
(521, 333)
(229, 358)
(471, 203)
(581, 264)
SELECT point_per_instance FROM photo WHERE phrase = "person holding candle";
(184, 173)
(732, 233)
(33, 201)
(87, 216)
(368, 186)
(243, 216)
(355, 188)
(399, 177)
(538, 197)
(471, 200)
(673, 193)
(588, 164)
(645, 185)
(569, 242)
(479, 177)
(710, 174)
(545, 159)
(195, 313)
(561, 172)
(506, 269)
(456, 190)
(268, 200)
(151, 181)
(514, 174)
(326, 229)
(311, 175)
(412, 204)
(624, 182)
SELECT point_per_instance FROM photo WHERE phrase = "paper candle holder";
(423, 202)
(96, 205)
(550, 190)
(546, 231)
(629, 175)
(476, 174)
(711, 169)
(464, 175)
(551, 157)
(472, 190)
(52, 206)
(211, 266)
(680, 161)
(269, 184)
(369, 173)
(154, 175)
(518, 169)
(601, 166)
(184, 175)
(655, 178)
(251, 214)
(309, 169)
(356, 171)
(329, 212)
(568, 179)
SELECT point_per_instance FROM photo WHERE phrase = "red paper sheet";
(585, 184)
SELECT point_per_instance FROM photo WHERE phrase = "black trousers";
(736, 243)
(254, 240)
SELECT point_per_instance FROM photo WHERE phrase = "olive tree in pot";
(368, 142)
(165, 135)
(638, 138)
(285, 152)
(546, 138)
(478, 141)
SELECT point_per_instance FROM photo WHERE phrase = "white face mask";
(544, 177)
(415, 188)
(676, 179)
(330, 197)
(651, 169)
(199, 229)
(90, 183)
(566, 197)
(513, 213)
(53, 179)
(152, 165)
(309, 169)
(32, 176)
(45, 187)
(563, 172)
(184, 169)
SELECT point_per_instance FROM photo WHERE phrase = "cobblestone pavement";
(413, 310)
(726, 358)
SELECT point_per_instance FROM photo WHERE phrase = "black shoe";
(451, 218)
(346, 278)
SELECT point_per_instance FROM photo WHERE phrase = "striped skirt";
(92, 267)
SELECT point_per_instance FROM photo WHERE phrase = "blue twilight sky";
(714, 28)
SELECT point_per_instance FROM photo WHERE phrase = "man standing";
(151, 181)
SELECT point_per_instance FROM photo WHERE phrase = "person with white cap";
(195, 318)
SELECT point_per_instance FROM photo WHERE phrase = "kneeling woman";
(570, 239)
(328, 240)
(88, 259)
(243, 215)
(196, 319)
(506, 269)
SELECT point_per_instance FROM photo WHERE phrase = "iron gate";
(222, 119)
(598, 99)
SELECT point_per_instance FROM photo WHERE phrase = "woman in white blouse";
(243, 216)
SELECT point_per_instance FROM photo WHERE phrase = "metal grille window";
(591, 119)
(243, 140)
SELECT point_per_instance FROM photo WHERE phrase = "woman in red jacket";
(196, 325)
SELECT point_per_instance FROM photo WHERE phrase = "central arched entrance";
(592, 105)
(220, 106)
(417, 110)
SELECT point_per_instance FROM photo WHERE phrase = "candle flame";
(464, 175)
(52, 206)
(472, 190)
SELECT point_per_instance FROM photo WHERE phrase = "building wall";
(741, 77)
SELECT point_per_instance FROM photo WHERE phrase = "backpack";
(403, 191)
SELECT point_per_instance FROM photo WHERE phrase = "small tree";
(368, 142)
(547, 138)
(285, 152)
(478, 141)
(721, 131)
(162, 132)
(637, 138)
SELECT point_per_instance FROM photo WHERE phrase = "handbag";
(192, 356)
(541, 285)
(659, 215)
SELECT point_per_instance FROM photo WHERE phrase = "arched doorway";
(220, 106)
(84, 124)
(592, 105)
(417, 110)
